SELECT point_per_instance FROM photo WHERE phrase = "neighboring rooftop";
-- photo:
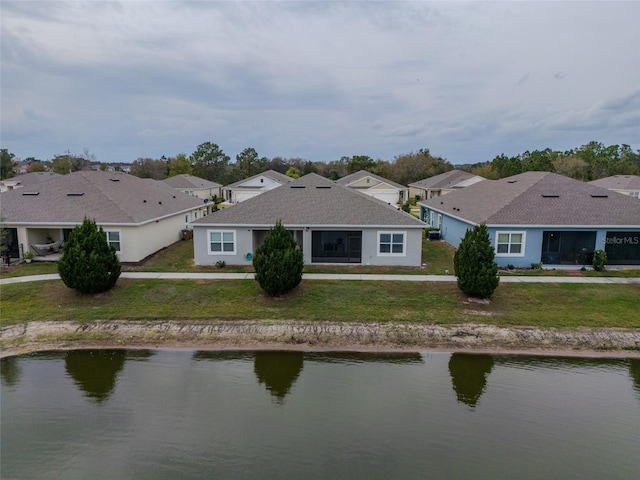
(618, 182)
(450, 179)
(28, 179)
(272, 174)
(538, 198)
(106, 197)
(312, 200)
(359, 175)
(190, 182)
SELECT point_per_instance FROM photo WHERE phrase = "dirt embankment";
(216, 334)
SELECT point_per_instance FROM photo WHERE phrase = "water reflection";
(10, 370)
(469, 374)
(278, 371)
(95, 371)
(634, 371)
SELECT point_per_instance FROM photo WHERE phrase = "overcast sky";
(317, 80)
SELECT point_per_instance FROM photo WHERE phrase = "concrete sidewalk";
(334, 276)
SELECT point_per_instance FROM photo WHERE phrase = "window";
(391, 243)
(510, 244)
(113, 238)
(222, 242)
(439, 221)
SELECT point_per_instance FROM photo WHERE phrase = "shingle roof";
(106, 197)
(619, 182)
(272, 174)
(538, 198)
(312, 200)
(32, 178)
(445, 180)
(359, 175)
(185, 181)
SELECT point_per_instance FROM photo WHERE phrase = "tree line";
(589, 162)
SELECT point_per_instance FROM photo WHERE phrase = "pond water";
(173, 414)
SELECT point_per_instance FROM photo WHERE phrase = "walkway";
(333, 276)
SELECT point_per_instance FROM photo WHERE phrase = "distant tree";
(293, 172)
(278, 262)
(89, 264)
(572, 166)
(360, 162)
(249, 163)
(383, 168)
(149, 168)
(484, 170)
(309, 167)
(7, 164)
(538, 160)
(210, 162)
(277, 164)
(68, 163)
(412, 167)
(473, 263)
(506, 166)
(179, 165)
(36, 166)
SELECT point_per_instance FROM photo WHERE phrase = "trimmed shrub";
(89, 264)
(278, 262)
(473, 263)
(599, 260)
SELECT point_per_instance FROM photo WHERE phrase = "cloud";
(316, 80)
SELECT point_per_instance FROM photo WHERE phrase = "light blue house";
(541, 217)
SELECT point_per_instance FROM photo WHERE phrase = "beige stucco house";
(376, 187)
(253, 186)
(139, 216)
(442, 184)
(195, 186)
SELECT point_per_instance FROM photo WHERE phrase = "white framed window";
(510, 244)
(222, 242)
(113, 238)
(430, 222)
(392, 243)
(439, 221)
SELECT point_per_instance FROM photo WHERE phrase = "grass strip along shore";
(545, 306)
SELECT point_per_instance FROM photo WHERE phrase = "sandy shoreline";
(318, 336)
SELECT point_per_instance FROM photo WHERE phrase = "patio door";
(336, 246)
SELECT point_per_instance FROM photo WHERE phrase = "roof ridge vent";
(512, 181)
(114, 179)
(599, 195)
(550, 195)
(75, 194)
(31, 194)
(297, 186)
(323, 186)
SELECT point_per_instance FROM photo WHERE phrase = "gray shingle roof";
(106, 197)
(538, 198)
(312, 200)
(619, 182)
(354, 177)
(32, 178)
(272, 174)
(445, 180)
(185, 182)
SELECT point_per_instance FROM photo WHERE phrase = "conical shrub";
(89, 264)
(474, 266)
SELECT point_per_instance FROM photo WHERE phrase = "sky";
(317, 80)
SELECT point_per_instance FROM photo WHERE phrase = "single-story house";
(541, 217)
(139, 216)
(25, 180)
(376, 186)
(331, 224)
(253, 186)
(442, 184)
(195, 186)
(626, 184)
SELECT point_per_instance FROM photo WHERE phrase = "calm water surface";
(122, 414)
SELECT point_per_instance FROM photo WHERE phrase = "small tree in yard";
(473, 263)
(278, 262)
(89, 264)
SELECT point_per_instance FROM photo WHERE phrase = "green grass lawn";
(545, 305)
